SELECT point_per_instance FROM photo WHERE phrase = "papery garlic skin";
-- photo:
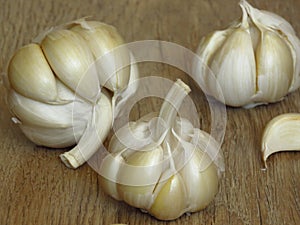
(255, 60)
(282, 133)
(57, 87)
(177, 173)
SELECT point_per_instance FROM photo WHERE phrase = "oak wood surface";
(36, 188)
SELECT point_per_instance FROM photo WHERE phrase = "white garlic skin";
(169, 193)
(57, 93)
(255, 60)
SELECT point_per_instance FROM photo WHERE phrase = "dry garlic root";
(58, 92)
(255, 60)
(163, 165)
(281, 134)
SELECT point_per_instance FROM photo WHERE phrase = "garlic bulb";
(255, 60)
(282, 133)
(57, 88)
(163, 165)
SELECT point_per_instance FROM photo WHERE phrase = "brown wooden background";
(35, 188)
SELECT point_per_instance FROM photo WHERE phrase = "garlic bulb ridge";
(255, 60)
(161, 163)
(62, 94)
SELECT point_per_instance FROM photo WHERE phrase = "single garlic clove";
(212, 42)
(110, 167)
(282, 133)
(30, 75)
(53, 137)
(201, 183)
(170, 201)
(102, 40)
(274, 67)
(207, 48)
(40, 114)
(234, 67)
(72, 62)
(138, 177)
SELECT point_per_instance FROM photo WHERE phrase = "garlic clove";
(173, 194)
(40, 114)
(274, 67)
(234, 67)
(72, 62)
(194, 177)
(30, 75)
(282, 133)
(110, 167)
(207, 48)
(53, 137)
(102, 40)
(138, 177)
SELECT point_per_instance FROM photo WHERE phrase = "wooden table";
(36, 188)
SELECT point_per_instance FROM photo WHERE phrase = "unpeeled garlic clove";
(110, 167)
(282, 133)
(102, 39)
(194, 176)
(31, 76)
(72, 62)
(40, 114)
(275, 73)
(234, 66)
(142, 171)
(171, 191)
(53, 137)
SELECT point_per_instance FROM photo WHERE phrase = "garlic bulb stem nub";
(93, 136)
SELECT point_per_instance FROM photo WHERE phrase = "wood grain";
(35, 188)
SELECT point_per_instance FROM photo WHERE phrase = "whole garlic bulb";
(57, 88)
(163, 165)
(255, 60)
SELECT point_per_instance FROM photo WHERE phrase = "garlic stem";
(93, 137)
(172, 102)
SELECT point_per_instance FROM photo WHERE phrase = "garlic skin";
(255, 60)
(163, 165)
(59, 94)
(282, 133)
